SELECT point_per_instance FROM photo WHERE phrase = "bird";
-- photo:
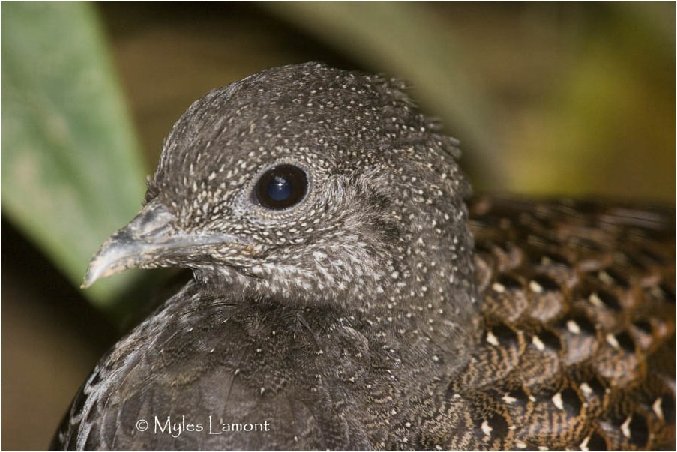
(348, 291)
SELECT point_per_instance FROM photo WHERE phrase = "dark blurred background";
(567, 99)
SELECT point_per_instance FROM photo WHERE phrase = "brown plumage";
(579, 347)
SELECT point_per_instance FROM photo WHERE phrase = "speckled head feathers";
(383, 220)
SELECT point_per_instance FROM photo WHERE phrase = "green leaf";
(71, 170)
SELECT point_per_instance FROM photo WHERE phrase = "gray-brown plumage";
(344, 297)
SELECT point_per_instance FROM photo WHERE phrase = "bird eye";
(281, 187)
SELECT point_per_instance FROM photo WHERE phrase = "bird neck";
(432, 305)
(426, 304)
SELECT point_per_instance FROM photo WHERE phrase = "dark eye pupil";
(281, 187)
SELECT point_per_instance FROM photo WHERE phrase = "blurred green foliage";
(546, 98)
(70, 163)
(607, 127)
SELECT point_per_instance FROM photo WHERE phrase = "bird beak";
(150, 240)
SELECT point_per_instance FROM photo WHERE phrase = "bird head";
(304, 184)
